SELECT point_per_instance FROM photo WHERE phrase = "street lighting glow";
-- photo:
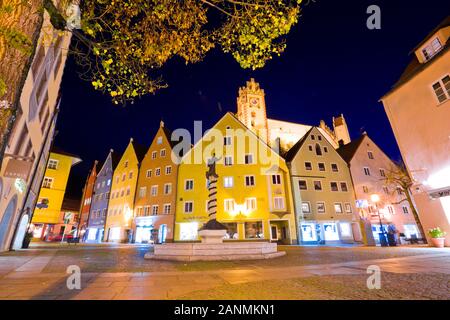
(375, 198)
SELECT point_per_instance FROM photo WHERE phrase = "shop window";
(330, 232)
(232, 231)
(308, 232)
(254, 230)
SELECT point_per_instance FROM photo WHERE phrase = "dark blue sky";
(333, 64)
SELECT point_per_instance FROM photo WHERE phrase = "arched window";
(318, 150)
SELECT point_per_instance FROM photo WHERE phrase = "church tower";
(341, 130)
(251, 109)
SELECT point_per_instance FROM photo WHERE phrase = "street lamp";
(375, 198)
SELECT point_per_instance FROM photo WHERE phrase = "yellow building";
(47, 212)
(120, 216)
(254, 193)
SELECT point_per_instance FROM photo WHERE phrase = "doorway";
(6, 221)
(274, 233)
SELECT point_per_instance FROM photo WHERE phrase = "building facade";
(47, 212)
(254, 196)
(86, 201)
(27, 152)
(156, 191)
(119, 220)
(100, 199)
(369, 167)
(323, 192)
(68, 224)
(418, 108)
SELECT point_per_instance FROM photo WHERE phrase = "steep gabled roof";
(64, 153)
(348, 151)
(168, 134)
(115, 159)
(290, 155)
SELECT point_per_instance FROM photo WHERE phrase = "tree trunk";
(20, 26)
(415, 214)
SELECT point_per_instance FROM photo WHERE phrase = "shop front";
(150, 230)
(326, 232)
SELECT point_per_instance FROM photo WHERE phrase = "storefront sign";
(18, 169)
(440, 193)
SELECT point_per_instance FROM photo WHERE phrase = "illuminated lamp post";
(375, 198)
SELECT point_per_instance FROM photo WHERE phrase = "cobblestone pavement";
(120, 272)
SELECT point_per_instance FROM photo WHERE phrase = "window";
(390, 209)
(248, 159)
(47, 183)
(189, 184)
(124, 176)
(128, 191)
(130, 175)
(370, 155)
(146, 210)
(306, 207)
(320, 207)
(278, 203)
(159, 140)
(317, 185)
(310, 148)
(302, 185)
(334, 186)
(157, 172)
(382, 173)
(308, 166)
(227, 141)
(228, 160)
(232, 231)
(249, 181)
(276, 179)
(430, 50)
(442, 89)
(365, 189)
(399, 191)
(250, 204)
(254, 230)
(313, 137)
(162, 153)
(108, 183)
(142, 192)
(325, 149)
(154, 154)
(229, 205)
(366, 171)
(155, 208)
(154, 191)
(405, 209)
(321, 166)
(338, 207)
(344, 187)
(149, 174)
(168, 188)
(386, 190)
(228, 182)
(319, 138)
(167, 208)
(188, 207)
(334, 167)
(318, 150)
(348, 207)
(52, 164)
(168, 170)
(139, 211)
(125, 164)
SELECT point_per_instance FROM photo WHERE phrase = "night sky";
(333, 64)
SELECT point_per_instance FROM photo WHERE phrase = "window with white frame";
(334, 186)
(168, 170)
(167, 208)
(442, 89)
(142, 192)
(334, 167)
(162, 153)
(167, 188)
(248, 158)
(159, 140)
(370, 155)
(391, 209)
(405, 209)
(431, 49)
(320, 207)
(188, 207)
(249, 181)
(228, 182)
(148, 174)
(227, 140)
(250, 204)
(382, 173)
(276, 179)
(146, 210)
(154, 190)
(306, 207)
(348, 207)
(189, 184)
(47, 183)
(366, 171)
(154, 154)
(53, 164)
(278, 203)
(302, 185)
(139, 211)
(228, 160)
(155, 209)
(344, 187)
(228, 205)
(157, 172)
(338, 207)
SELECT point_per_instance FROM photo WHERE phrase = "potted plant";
(437, 237)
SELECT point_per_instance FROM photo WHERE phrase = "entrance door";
(6, 221)
(21, 232)
(273, 232)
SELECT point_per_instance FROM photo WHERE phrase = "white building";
(28, 147)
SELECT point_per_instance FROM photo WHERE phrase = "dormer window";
(431, 49)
